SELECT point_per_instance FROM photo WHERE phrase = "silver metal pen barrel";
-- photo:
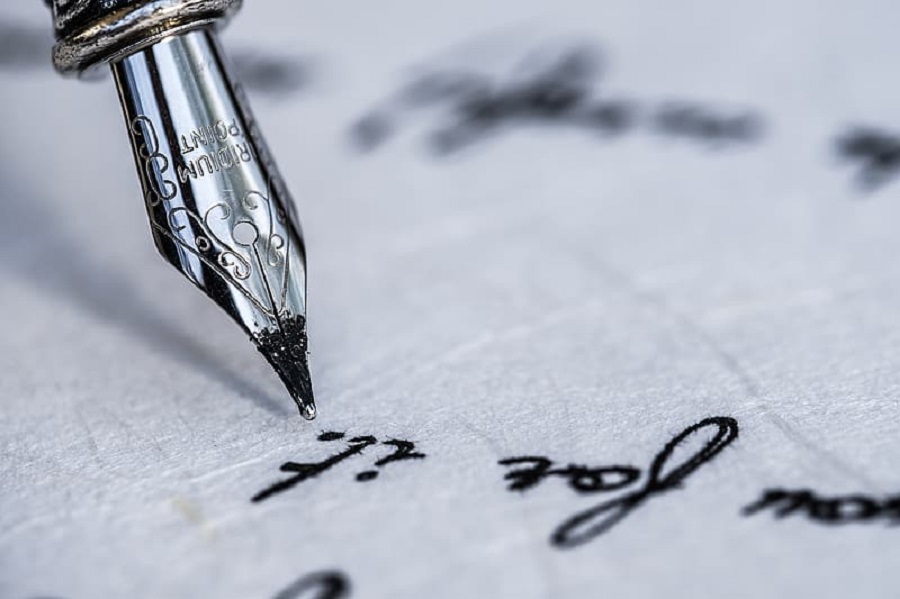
(218, 209)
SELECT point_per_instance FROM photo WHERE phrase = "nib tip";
(308, 411)
(285, 349)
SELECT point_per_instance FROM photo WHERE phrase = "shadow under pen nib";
(219, 211)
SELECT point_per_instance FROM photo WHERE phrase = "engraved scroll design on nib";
(244, 240)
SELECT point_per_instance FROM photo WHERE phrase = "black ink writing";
(848, 509)
(665, 473)
(328, 584)
(563, 94)
(403, 450)
(303, 471)
(582, 479)
(875, 153)
(691, 121)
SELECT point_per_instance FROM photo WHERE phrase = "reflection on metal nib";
(219, 211)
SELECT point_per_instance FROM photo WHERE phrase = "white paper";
(542, 292)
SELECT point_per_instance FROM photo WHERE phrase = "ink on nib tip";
(285, 348)
(301, 392)
(308, 411)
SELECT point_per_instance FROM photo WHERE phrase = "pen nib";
(219, 210)
(285, 349)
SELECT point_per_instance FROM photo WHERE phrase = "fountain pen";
(218, 208)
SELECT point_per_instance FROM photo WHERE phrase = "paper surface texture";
(704, 231)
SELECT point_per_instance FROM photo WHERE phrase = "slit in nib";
(285, 349)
